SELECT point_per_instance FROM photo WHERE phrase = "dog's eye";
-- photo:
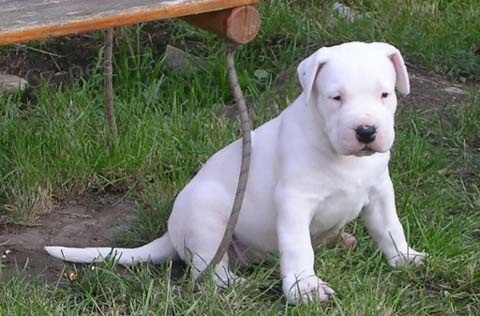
(384, 95)
(337, 98)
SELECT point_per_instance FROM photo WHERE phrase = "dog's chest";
(339, 207)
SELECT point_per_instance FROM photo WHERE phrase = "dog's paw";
(347, 241)
(343, 240)
(306, 289)
(410, 257)
(228, 279)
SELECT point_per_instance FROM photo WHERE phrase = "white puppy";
(316, 167)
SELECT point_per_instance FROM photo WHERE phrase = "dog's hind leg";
(200, 250)
(222, 274)
(197, 224)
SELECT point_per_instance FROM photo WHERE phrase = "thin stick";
(245, 164)
(108, 84)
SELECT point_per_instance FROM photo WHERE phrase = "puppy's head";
(353, 87)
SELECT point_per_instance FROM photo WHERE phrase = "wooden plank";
(22, 20)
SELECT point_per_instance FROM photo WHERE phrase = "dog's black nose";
(366, 133)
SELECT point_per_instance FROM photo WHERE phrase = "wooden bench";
(22, 20)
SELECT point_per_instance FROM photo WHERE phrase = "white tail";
(159, 250)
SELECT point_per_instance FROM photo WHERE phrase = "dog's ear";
(308, 69)
(402, 82)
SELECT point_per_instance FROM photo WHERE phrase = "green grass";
(170, 123)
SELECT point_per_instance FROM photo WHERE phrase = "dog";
(314, 168)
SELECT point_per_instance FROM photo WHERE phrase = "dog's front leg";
(300, 284)
(384, 226)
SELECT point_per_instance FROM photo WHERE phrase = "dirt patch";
(66, 60)
(431, 91)
(92, 220)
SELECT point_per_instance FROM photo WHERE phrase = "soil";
(93, 220)
(88, 220)
(432, 91)
(66, 60)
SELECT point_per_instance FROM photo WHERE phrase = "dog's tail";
(159, 250)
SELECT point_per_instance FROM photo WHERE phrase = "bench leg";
(108, 86)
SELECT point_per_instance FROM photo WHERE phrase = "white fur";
(309, 177)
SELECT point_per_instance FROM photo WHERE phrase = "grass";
(170, 122)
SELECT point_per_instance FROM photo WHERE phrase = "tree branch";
(245, 164)
(108, 84)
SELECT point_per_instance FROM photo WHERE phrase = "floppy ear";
(308, 69)
(402, 82)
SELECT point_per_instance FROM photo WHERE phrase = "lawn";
(55, 145)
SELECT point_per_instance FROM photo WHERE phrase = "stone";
(12, 83)
(178, 59)
(455, 90)
(346, 12)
